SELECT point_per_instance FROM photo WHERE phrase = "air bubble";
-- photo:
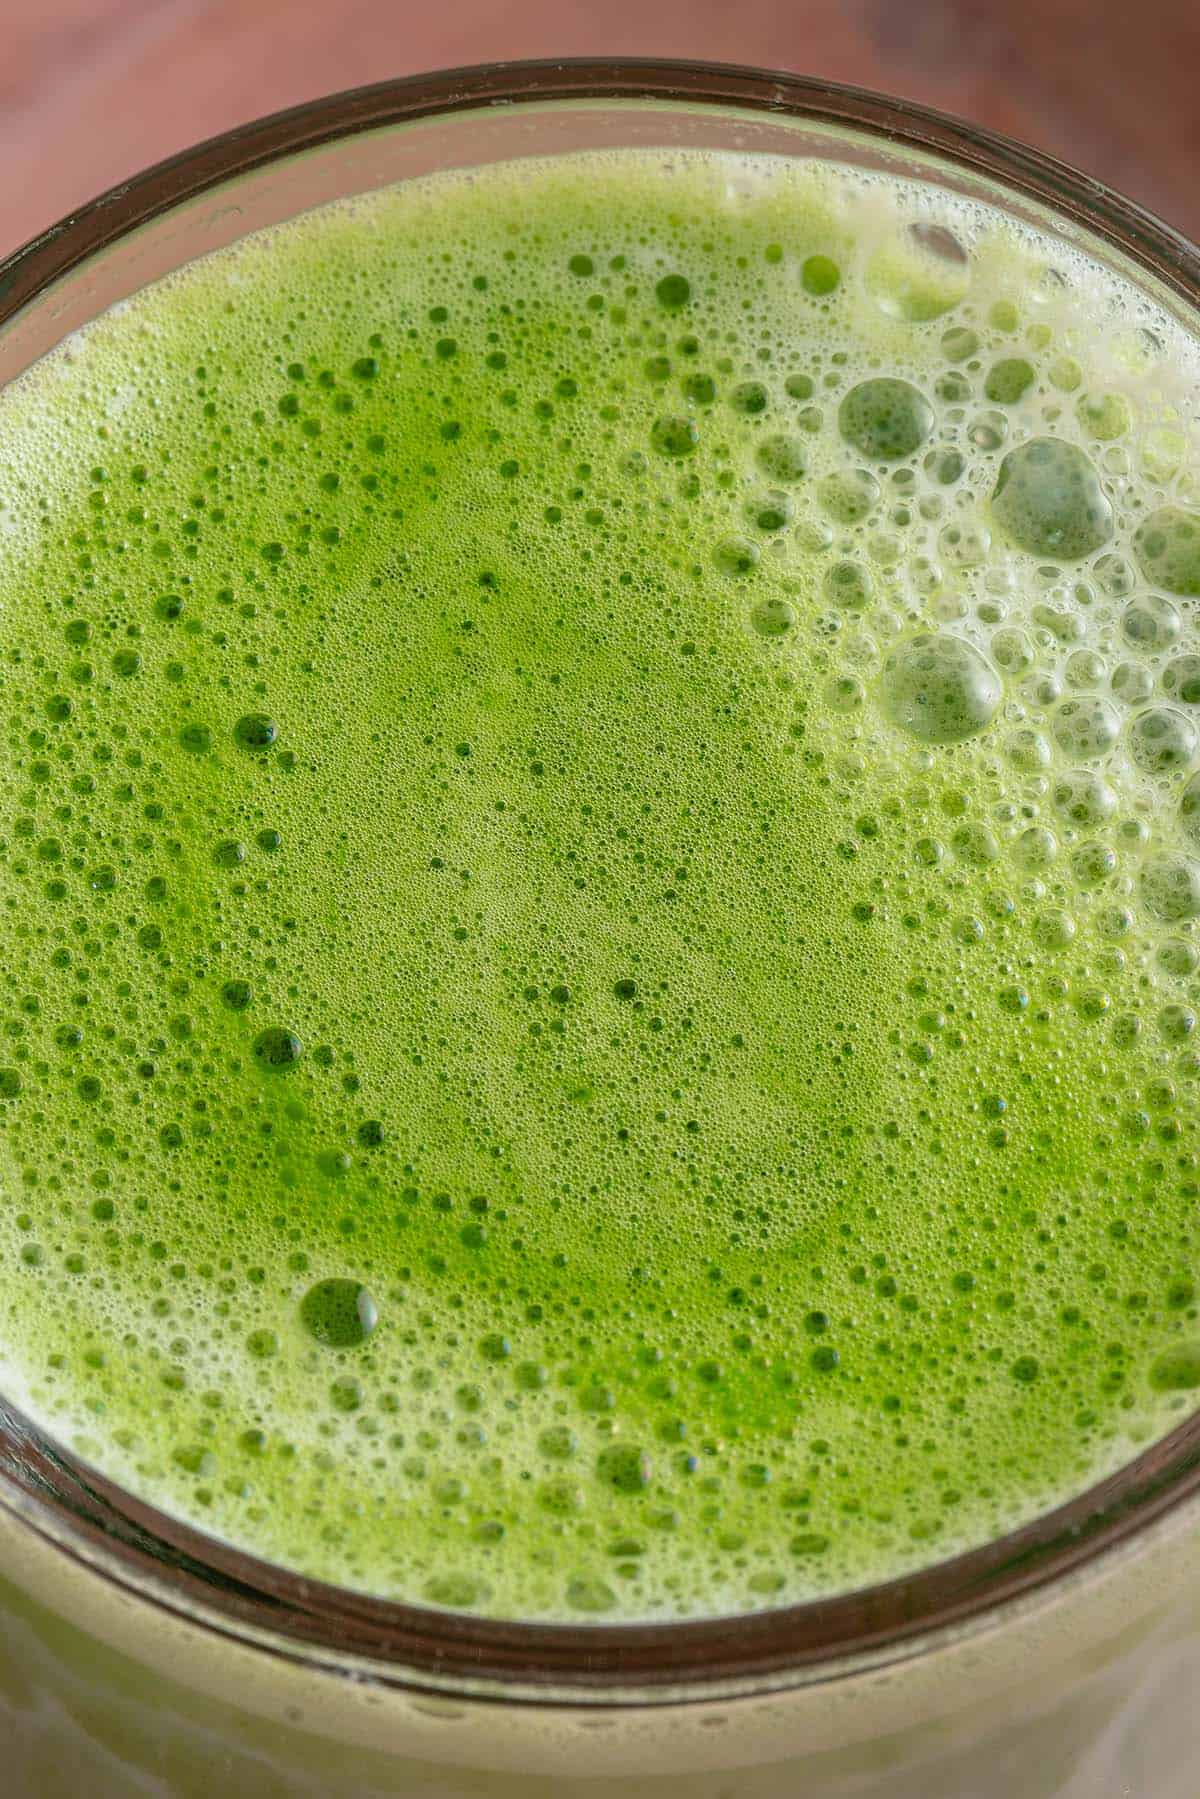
(772, 511)
(885, 419)
(339, 1314)
(749, 398)
(1163, 740)
(1086, 728)
(255, 731)
(1027, 750)
(1181, 680)
(673, 291)
(918, 274)
(1189, 809)
(1104, 417)
(1177, 1370)
(675, 436)
(737, 556)
(1151, 623)
(1131, 683)
(1167, 545)
(1171, 887)
(277, 1048)
(847, 584)
(1009, 380)
(850, 496)
(939, 688)
(1049, 500)
(783, 458)
(1093, 864)
(773, 617)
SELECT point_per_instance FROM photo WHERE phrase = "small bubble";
(749, 398)
(1093, 864)
(918, 273)
(624, 1468)
(1009, 380)
(277, 1048)
(1171, 887)
(673, 291)
(1115, 575)
(341, 1314)
(819, 275)
(939, 688)
(1189, 809)
(1012, 651)
(1151, 623)
(1104, 417)
(701, 390)
(975, 845)
(255, 731)
(1131, 683)
(1181, 680)
(1178, 957)
(989, 430)
(1049, 500)
(1167, 545)
(1086, 728)
(459, 1592)
(1176, 1022)
(850, 496)
(959, 342)
(944, 466)
(847, 585)
(773, 617)
(808, 1543)
(1054, 929)
(675, 436)
(587, 1593)
(1177, 1369)
(1036, 847)
(772, 511)
(737, 556)
(885, 419)
(783, 458)
(1162, 740)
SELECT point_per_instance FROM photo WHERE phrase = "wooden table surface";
(91, 90)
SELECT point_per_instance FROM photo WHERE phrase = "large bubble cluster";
(600, 862)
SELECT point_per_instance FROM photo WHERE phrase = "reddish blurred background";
(91, 90)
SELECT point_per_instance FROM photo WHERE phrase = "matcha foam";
(600, 861)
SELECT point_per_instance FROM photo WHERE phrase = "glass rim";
(227, 1591)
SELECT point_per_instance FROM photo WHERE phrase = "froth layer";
(599, 863)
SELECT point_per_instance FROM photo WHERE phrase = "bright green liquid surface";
(743, 1052)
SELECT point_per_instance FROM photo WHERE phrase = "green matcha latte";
(600, 863)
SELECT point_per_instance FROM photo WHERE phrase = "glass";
(134, 1650)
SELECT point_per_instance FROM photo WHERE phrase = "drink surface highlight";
(600, 862)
